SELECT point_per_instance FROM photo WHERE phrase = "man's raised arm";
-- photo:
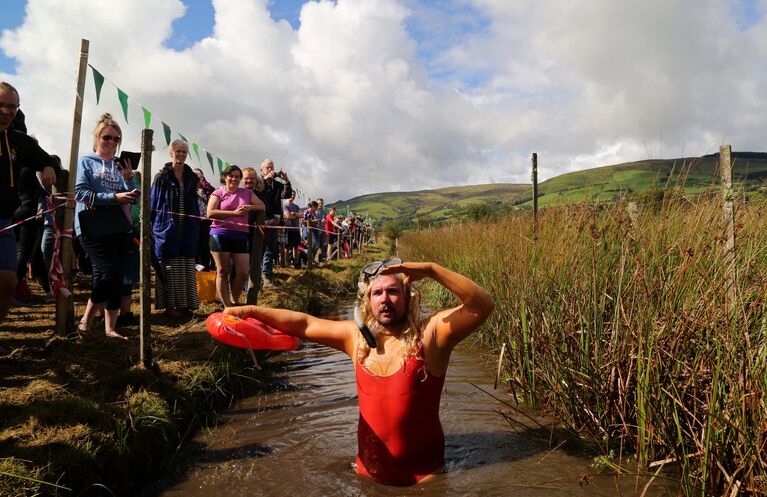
(451, 325)
(335, 334)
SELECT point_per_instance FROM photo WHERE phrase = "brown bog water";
(298, 438)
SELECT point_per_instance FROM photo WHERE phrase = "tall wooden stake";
(145, 328)
(535, 196)
(725, 167)
(65, 309)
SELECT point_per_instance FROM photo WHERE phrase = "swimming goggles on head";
(372, 269)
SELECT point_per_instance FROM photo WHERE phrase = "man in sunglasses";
(17, 151)
(400, 360)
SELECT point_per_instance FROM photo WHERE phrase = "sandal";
(83, 327)
(114, 334)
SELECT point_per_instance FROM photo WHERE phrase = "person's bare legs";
(110, 323)
(241, 271)
(91, 310)
(8, 283)
(223, 261)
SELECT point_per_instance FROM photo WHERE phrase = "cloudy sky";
(362, 96)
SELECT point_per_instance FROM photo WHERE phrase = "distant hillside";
(611, 182)
(431, 205)
(602, 184)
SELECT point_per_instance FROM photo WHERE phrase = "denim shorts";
(7, 247)
(223, 243)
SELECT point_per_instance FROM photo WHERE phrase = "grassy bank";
(622, 330)
(79, 416)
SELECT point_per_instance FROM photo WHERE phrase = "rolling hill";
(606, 183)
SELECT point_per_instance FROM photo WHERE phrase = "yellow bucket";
(206, 286)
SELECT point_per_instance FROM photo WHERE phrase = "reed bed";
(621, 328)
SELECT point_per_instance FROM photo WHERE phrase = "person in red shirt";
(331, 230)
(400, 361)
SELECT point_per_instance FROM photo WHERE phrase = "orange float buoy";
(248, 333)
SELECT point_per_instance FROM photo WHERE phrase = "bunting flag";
(98, 81)
(166, 130)
(147, 117)
(123, 97)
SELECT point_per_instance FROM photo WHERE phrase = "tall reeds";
(621, 328)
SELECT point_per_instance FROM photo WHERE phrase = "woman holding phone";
(104, 183)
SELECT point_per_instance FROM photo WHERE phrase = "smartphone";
(134, 157)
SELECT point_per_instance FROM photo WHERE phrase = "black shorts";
(294, 237)
(223, 243)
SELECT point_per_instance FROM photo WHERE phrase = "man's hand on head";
(413, 271)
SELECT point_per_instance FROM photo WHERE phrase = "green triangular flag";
(98, 81)
(210, 159)
(166, 130)
(220, 166)
(147, 117)
(183, 137)
(196, 151)
(123, 102)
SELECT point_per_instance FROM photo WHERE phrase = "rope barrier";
(56, 272)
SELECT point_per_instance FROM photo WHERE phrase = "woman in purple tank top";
(229, 207)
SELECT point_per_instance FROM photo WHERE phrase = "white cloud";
(347, 103)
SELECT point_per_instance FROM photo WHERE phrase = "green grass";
(622, 329)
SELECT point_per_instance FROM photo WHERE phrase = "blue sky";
(195, 25)
(435, 25)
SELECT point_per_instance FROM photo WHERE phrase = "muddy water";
(299, 437)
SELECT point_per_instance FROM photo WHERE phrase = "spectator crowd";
(243, 229)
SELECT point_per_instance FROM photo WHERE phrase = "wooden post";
(145, 328)
(65, 307)
(535, 196)
(728, 257)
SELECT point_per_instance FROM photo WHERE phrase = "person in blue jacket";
(103, 183)
(176, 229)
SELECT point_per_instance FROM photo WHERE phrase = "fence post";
(65, 307)
(535, 196)
(145, 328)
(728, 258)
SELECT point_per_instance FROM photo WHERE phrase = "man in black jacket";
(276, 188)
(17, 150)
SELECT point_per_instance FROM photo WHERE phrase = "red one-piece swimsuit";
(400, 438)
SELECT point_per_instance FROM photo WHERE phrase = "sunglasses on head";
(374, 268)
(110, 138)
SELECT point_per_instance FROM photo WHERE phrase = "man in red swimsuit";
(400, 361)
